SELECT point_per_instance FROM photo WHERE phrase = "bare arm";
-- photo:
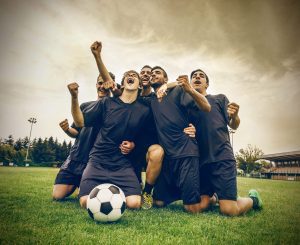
(200, 99)
(162, 91)
(233, 110)
(172, 85)
(72, 132)
(75, 109)
(96, 50)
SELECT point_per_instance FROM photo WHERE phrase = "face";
(100, 89)
(145, 75)
(199, 82)
(131, 81)
(157, 78)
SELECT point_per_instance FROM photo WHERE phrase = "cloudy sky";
(249, 49)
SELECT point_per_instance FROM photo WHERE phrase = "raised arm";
(200, 99)
(96, 49)
(109, 83)
(75, 109)
(72, 132)
(233, 110)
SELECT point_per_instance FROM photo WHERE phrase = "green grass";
(28, 215)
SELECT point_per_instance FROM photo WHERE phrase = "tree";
(10, 140)
(246, 158)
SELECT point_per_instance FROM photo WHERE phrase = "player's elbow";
(207, 108)
(79, 124)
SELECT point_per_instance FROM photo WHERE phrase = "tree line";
(42, 152)
(49, 152)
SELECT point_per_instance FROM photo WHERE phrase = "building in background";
(286, 166)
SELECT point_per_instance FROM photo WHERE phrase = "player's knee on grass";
(205, 202)
(83, 201)
(158, 204)
(133, 202)
(229, 207)
(193, 208)
(62, 191)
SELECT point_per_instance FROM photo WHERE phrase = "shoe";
(147, 201)
(257, 201)
(216, 198)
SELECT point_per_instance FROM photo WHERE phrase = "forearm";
(76, 113)
(71, 132)
(200, 100)
(171, 85)
(102, 69)
(234, 123)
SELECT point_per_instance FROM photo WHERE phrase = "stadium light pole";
(231, 131)
(32, 120)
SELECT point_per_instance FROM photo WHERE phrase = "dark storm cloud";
(264, 34)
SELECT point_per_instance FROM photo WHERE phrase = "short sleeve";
(92, 113)
(225, 103)
(187, 100)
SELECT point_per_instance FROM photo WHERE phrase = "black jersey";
(119, 121)
(84, 142)
(171, 117)
(79, 152)
(212, 131)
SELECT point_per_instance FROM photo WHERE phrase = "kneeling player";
(218, 171)
(69, 176)
(121, 119)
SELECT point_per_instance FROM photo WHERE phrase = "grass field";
(28, 215)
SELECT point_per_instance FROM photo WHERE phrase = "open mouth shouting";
(130, 80)
(198, 82)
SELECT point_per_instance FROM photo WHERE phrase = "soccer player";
(70, 173)
(179, 178)
(150, 147)
(218, 165)
(121, 119)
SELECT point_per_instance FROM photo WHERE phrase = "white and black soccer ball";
(106, 203)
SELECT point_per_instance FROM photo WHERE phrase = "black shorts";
(65, 177)
(125, 178)
(220, 178)
(179, 179)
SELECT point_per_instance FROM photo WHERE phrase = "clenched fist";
(126, 147)
(73, 88)
(96, 48)
(233, 109)
(183, 81)
(64, 125)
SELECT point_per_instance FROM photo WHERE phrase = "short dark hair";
(164, 72)
(146, 66)
(113, 77)
(207, 80)
(122, 82)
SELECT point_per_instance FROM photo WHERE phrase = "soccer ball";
(106, 203)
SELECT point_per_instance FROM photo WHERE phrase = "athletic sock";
(255, 202)
(148, 188)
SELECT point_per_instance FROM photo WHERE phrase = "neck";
(146, 91)
(129, 96)
(156, 86)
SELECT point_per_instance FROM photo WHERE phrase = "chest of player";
(123, 120)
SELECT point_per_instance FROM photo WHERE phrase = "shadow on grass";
(67, 200)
